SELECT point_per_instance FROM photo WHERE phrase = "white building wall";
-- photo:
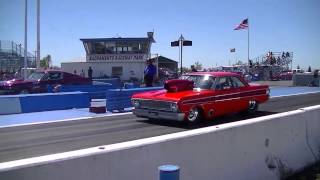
(130, 68)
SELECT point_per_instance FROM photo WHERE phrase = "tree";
(198, 65)
(45, 62)
(309, 69)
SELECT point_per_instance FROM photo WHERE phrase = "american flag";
(243, 25)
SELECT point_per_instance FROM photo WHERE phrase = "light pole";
(181, 42)
(25, 40)
(38, 36)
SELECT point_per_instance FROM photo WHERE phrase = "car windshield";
(36, 76)
(200, 81)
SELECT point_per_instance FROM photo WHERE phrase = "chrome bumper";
(158, 114)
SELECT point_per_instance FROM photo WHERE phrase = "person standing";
(82, 73)
(90, 71)
(149, 73)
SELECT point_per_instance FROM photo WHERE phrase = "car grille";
(156, 105)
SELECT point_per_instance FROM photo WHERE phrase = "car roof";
(215, 74)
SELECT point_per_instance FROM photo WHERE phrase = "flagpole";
(38, 35)
(25, 39)
(248, 41)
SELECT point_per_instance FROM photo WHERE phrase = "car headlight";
(174, 107)
(135, 103)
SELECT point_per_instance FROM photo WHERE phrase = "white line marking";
(64, 120)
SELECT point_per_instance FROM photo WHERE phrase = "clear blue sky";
(275, 25)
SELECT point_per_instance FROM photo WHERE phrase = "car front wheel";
(194, 116)
(253, 107)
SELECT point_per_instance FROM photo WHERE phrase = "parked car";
(39, 81)
(200, 96)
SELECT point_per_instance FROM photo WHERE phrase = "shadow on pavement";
(219, 120)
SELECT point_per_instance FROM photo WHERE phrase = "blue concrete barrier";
(119, 99)
(97, 95)
(116, 83)
(95, 91)
(130, 85)
(83, 88)
(86, 88)
(169, 172)
(53, 101)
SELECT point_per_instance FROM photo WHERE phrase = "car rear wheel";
(252, 108)
(194, 115)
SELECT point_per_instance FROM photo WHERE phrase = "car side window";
(237, 82)
(55, 76)
(224, 83)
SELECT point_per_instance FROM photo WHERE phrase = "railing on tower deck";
(282, 59)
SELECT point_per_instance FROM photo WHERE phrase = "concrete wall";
(11, 104)
(264, 148)
(304, 79)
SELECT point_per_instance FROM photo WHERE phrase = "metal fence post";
(169, 172)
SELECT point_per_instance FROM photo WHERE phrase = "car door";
(51, 79)
(226, 97)
(242, 89)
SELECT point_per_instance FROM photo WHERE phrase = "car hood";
(164, 95)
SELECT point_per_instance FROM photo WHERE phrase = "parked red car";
(39, 81)
(286, 75)
(200, 96)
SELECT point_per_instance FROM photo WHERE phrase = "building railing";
(12, 57)
(282, 59)
(13, 48)
(281, 55)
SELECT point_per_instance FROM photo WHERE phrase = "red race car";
(39, 81)
(200, 96)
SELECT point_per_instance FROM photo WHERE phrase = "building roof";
(163, 59)
(115, 39)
